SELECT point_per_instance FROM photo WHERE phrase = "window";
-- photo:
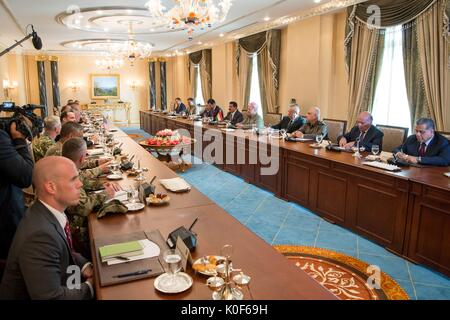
(199, 93)
(255, 90)
(391, 101)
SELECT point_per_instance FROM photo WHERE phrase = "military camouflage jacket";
(41, 145)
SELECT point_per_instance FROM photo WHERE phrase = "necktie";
(68, 235)
(289, 124)
(422, 149)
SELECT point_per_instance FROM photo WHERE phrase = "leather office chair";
(393, 136)
(336, 128)
(272, 118)
(445, 134)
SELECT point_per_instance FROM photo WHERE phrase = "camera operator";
(16, 169)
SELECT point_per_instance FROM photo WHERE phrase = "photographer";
(16, 169)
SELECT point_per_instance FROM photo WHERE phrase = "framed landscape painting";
(105, 86)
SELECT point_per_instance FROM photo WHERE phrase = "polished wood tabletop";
(273, 275)
(406, 212)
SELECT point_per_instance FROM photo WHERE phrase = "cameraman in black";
(16, 169)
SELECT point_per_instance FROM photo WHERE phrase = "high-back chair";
(336, 128)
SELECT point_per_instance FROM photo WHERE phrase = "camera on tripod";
(18, 116)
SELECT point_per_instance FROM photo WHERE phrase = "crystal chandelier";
(191, 14)
(131, 49)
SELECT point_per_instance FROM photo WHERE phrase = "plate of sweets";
(206, 265)
(158, 199)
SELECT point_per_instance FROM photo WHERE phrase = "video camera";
(19, 115)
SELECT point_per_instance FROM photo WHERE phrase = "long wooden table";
(407, 212)
(273, 276)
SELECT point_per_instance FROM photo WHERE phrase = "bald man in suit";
(41, 262)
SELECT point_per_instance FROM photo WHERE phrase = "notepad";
(124, 249)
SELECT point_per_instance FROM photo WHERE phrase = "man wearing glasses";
(426, 147)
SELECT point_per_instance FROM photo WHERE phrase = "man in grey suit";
(41, 262)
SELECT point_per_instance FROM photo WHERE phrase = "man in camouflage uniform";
(313, 126)
(52, 127)
(75, 150)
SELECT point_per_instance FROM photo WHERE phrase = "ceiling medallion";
(113, 20)
(114, 49)
(191, 14)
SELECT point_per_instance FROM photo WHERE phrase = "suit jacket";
(237, 118)
(213, 113)
(181, 108)
(436, 154)
(373, 136)
(294, 126)
(16, 170)
(38, 260)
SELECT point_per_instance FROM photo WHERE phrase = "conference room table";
(407, 212)
(273, 276)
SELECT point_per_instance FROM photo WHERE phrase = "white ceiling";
(43, 15)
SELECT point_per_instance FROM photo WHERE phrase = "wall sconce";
(75, 86)
(133, 84)
(8, 86)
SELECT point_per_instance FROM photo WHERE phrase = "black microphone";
(37, 42)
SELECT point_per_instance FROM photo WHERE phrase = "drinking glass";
(172, 261)
(375, 149)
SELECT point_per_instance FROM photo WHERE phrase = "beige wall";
(312, 68)
(12, 68)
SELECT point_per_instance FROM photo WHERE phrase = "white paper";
(119, 195)
(151, 250)
(175, 184)
(94, 152)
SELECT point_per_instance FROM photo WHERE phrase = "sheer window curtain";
(391, 100)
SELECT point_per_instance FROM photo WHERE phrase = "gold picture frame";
(105, 86)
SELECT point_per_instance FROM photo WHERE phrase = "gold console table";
(110, 107)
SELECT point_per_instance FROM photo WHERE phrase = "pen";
(135, 273)
(193, 223)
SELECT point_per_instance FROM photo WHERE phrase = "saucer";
(178, 284)
(136, 206)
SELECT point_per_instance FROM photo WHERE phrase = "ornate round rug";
(344, 276)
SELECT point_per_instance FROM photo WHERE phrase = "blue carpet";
(279, 222)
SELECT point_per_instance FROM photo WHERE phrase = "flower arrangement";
(167, 138)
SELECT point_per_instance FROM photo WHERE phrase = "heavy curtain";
(55, 84)
(203, 59)
(266, 45)
(366, 53)
(434, 54)
(426, 54)
(413, 76)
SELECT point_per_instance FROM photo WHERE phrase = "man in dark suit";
(426, 147)
(234, 115)
(367, 134)
(292, 122)
(180, 107)
(16, 170)
(41, 262)
(213, 111)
